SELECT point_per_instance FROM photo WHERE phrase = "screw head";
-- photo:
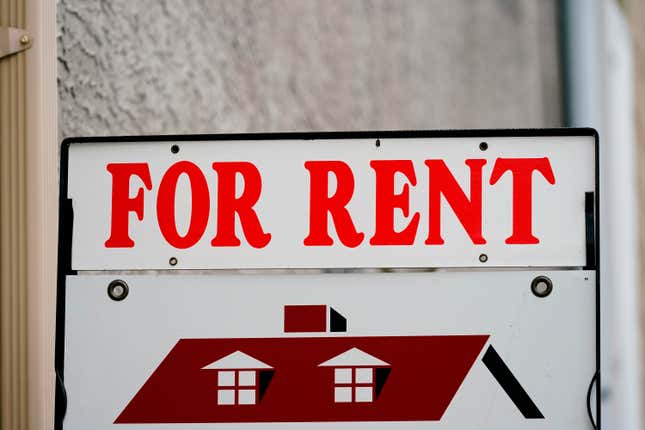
(172, 261)
(117, 290)
(541, 286)
(25, 39)
(483, 258)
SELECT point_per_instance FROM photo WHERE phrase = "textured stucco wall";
(157, 66)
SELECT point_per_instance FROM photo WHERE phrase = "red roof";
(425, 373)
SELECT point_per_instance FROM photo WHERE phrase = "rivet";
(483, 146)
(541, 286)
(25, 39)
(483, 258)
(172, 261)
(117, 290)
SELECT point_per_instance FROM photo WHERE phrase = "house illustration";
(358, 376)
(241, 379)
(302, 378)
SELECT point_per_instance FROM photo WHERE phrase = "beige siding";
(28, 194)
(13, 293)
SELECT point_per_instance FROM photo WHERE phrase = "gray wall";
(157, 66)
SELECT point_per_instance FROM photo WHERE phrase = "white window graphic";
(354, 372)
(236, 387)
(353, 384)
(237, 378)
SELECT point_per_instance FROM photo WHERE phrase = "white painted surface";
(354, 357)
(601, 89)
(237, 360)
(111, 348)
(283, 208)
(622, 400)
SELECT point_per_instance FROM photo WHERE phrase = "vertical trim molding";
(28, 193)
(13, 291)
(41, 140)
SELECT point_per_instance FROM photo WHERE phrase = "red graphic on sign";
(325, 210)
(305, 318)
(310, 379)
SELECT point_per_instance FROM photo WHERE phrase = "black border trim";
(66, 214)
(65, 228)
(598, 373)
(385, 134)
(590, 204)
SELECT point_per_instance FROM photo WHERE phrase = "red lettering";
(320, 204)
(200, 204)
(468, 211)
(228, 205)
(122, 204)
(522, 172)
(387, 201)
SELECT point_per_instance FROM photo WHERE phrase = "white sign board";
(142, 360)
(506, 338)
(354, 202)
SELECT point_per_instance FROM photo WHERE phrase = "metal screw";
(483, 146)
(172, 261)
(117, 290)
(483, 258)
(25, 39)
(378, 143)
(541, 286)
(174, 149)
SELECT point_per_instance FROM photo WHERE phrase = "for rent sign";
(349, 202)
(506, 339)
